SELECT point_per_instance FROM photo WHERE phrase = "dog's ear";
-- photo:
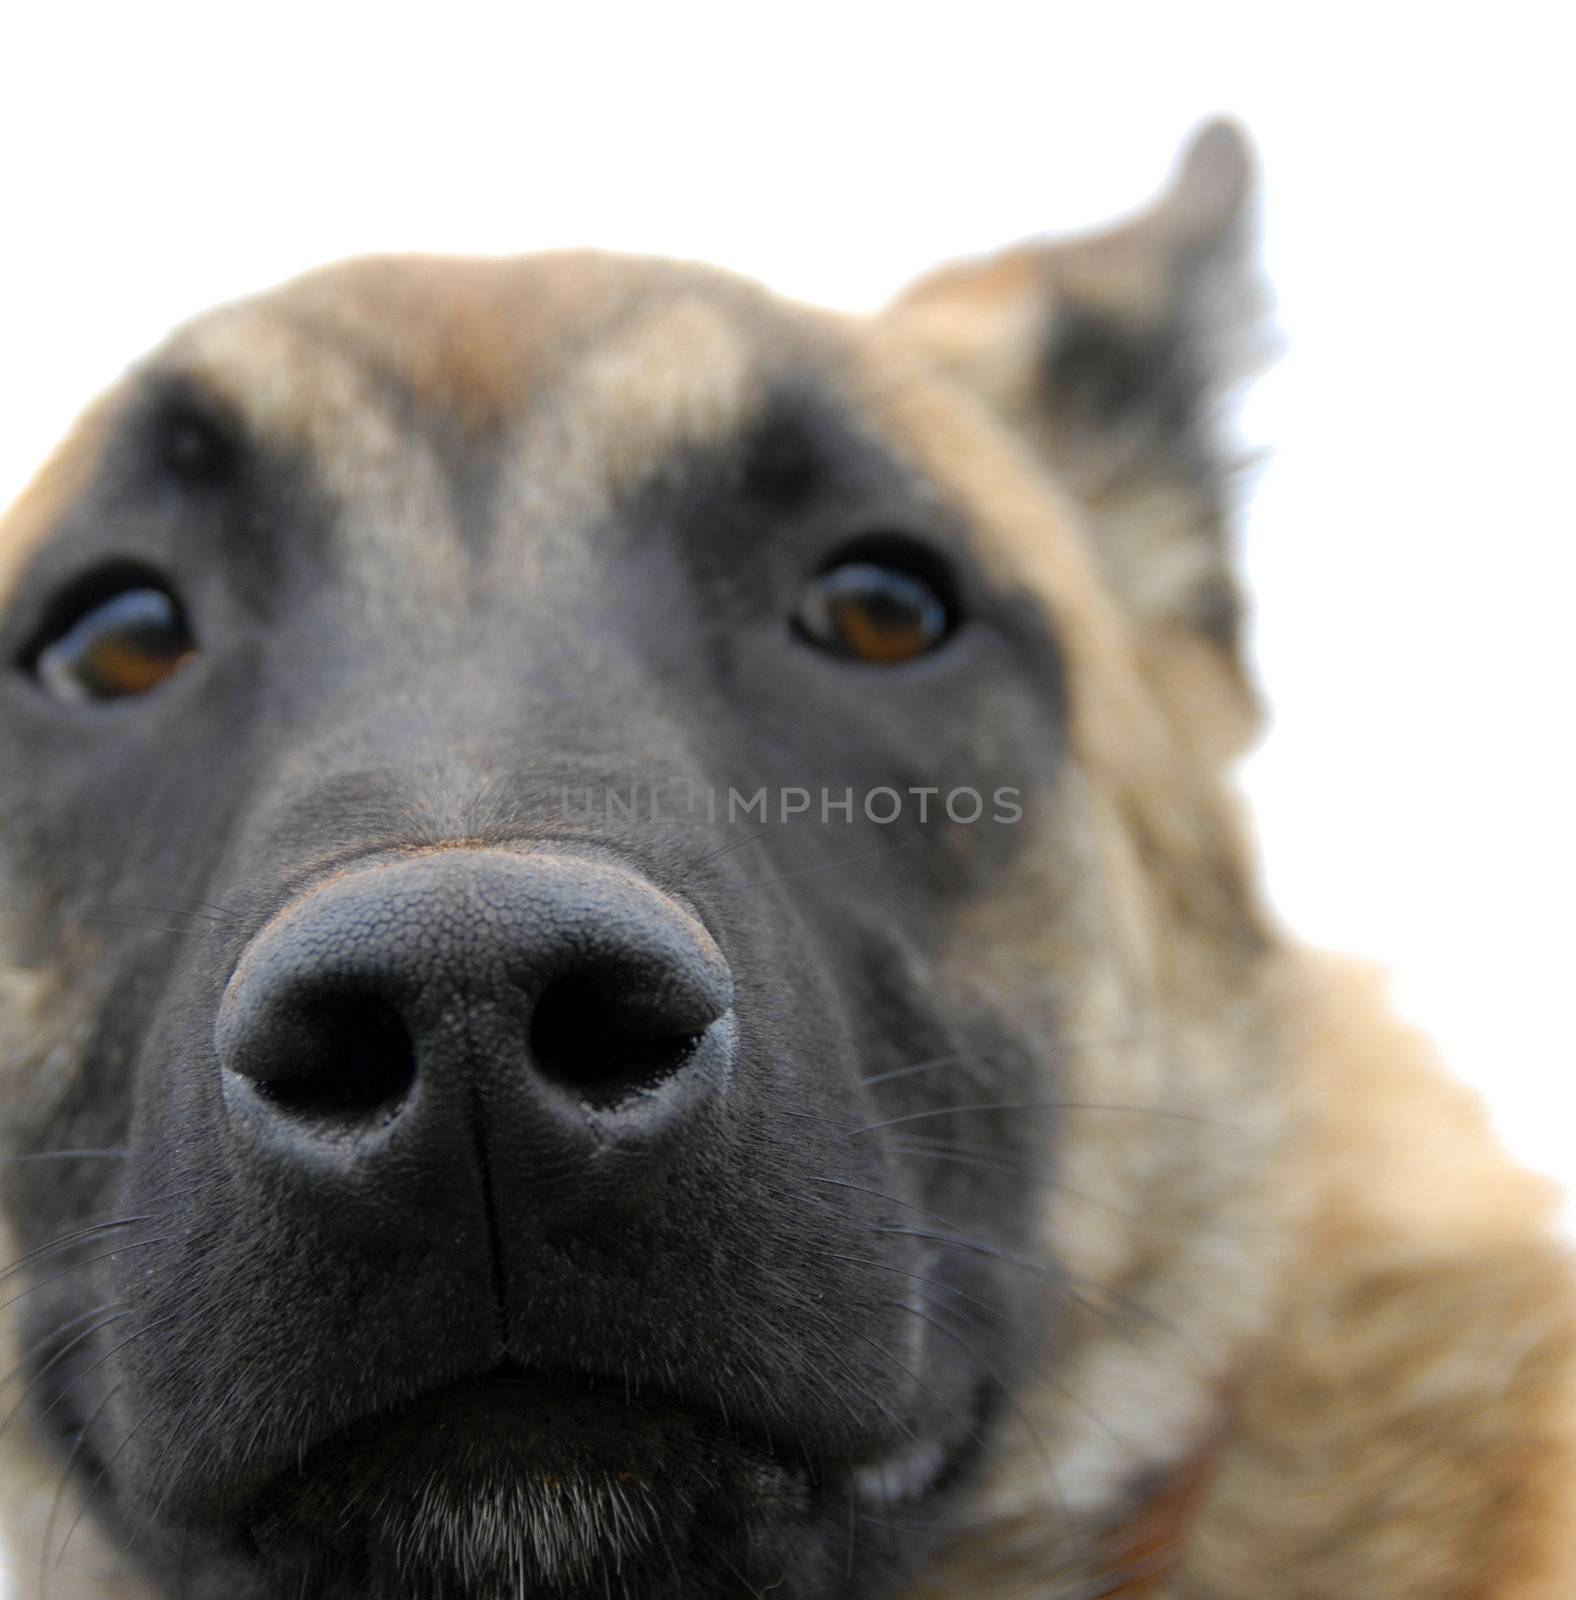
(1111, 354)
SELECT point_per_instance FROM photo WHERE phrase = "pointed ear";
(1110, 354)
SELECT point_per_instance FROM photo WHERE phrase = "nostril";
(399, 996)
(362, 1065)
(607, 1041)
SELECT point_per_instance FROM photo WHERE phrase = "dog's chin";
(527, 1486)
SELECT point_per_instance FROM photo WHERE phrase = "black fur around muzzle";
(517, 1196)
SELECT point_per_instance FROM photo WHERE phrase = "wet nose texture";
(567, 997)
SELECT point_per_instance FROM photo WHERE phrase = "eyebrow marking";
(678, 377)
(65, 478)
(296, 390)
(288, 388)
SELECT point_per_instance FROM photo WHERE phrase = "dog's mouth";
(524, 1483)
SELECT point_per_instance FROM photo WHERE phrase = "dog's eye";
(113, 640)
(884, 604)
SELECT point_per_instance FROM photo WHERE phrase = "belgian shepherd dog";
(629, 968)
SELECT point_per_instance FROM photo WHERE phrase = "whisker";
(89, 1232)
(738, 844)
(903, 1525)
(1037, 1105)
(1060, 1048)
(164, 911)
(927, 1066)
(56, 1359)
(1052, 1276)
(936, 1216)
(46, 1568)
(1055, 1276)
(93, 1366)
(1056, 1048)
(145, 927)
(33, 1288)
(827, 866)
(981, 1158)
(1069, 1283)
(40, 1345)
(90, 914)
(103, 1472)
(914, 1377)
(981, 1247)
(65, 1155)
(918, 1277)
(862, 1387)
(192, 900)
(1005, 1390)
(891, 1199)
(189, 1454)
(1035, 1370)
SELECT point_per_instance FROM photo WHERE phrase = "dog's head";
(625, 968)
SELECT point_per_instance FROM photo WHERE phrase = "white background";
(1409, 541)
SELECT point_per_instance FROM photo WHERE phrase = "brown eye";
(118, 644)
(875, 610)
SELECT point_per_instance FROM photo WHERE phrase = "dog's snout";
(568, 996)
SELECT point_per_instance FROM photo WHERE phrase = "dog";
(629, 968)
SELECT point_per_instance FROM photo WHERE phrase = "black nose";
(566, 996)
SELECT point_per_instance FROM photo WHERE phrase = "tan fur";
(35, 1040)
(1410, 1428)
(1285, 1222)
(1353, 1259)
